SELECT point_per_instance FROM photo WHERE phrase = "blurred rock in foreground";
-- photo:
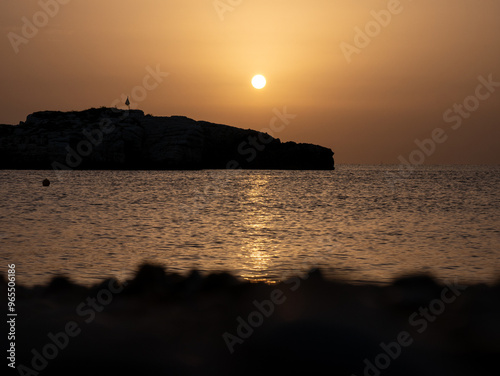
(167, 324)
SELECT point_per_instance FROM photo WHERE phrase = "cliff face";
(107, 138)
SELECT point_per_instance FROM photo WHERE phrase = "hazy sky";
(367, 97)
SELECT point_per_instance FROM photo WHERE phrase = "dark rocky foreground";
(166, 324)
(107, 138)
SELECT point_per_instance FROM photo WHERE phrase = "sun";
(258, 81)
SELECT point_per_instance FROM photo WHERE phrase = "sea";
(361, 223)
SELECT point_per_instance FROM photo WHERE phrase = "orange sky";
(368, 106)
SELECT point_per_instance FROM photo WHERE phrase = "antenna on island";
(127, 103)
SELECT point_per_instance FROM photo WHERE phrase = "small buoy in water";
(46, 182)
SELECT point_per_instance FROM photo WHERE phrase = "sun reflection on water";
(257, 248)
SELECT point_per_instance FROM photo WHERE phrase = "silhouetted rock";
(107, 138)
(61, 287)
(150, 279)
(218, 281)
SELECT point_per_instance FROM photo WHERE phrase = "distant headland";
(109, 138)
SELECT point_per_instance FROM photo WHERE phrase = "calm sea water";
(358, 222)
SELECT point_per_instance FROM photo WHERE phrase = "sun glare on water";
(258, 81)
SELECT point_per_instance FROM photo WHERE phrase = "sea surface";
(363, 223)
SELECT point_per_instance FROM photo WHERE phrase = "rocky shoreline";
(108, 138)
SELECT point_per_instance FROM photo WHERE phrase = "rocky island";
(108, 138)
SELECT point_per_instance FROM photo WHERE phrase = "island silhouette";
(109, 138)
